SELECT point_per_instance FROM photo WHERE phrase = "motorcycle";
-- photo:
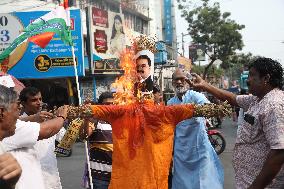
(216, 122)
(216, 138)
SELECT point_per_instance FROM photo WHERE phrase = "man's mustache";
(140, 71)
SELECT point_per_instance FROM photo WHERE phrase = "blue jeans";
(100, 184)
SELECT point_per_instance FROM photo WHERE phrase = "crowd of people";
(140, 157)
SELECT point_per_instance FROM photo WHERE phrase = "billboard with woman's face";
(108, 33)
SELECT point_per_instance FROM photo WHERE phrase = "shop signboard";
(184, 63)
(161, 57)
(29, 61)
(168, 25)
(107, 66)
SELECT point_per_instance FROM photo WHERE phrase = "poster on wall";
(108, 33)
(29, 61)
(100, 39)
(100, 17)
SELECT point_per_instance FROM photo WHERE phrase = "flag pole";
(80, 102)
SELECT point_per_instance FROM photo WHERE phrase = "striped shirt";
(101, 151)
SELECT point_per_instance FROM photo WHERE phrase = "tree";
(217, 32)
(214, 73)
(237, 64)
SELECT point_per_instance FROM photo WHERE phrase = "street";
(71, 168)
(229, 131)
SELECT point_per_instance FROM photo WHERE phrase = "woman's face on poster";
(117, 25)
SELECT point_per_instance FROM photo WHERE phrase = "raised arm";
(39, 117)
(51, 127)
(199, 83)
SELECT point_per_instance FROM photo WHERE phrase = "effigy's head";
(136, 84)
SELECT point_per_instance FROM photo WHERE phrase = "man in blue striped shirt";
(101, 147)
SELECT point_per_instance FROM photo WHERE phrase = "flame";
(124, 85)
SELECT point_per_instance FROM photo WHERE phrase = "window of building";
(145, 27)
(138, 25)
(113, 8)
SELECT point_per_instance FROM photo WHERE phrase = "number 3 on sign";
(4, 36)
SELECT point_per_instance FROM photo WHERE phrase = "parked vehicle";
(216, 138)
(216, 122)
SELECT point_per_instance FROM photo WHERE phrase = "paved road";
(229, 130)
(71, 168)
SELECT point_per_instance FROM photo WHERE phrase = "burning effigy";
(142, 131)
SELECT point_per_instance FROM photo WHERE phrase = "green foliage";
(208, 26)
(237, 63)
(240, 59)
(213, 71)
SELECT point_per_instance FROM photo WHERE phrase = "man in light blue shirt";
(196, 164)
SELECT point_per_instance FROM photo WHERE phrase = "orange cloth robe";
(142, 142)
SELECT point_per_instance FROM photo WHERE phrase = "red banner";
(100, 41)
(100, 17)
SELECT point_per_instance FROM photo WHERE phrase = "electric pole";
(182, 42)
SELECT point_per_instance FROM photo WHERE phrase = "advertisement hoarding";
(184, 63)
(196, 52)
(29, 61)
(108, 33)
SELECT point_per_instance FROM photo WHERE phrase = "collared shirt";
(257, 136)
(196, 164)
(45, 153)
(22, 147)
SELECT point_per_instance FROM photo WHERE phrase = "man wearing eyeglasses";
(196, 164)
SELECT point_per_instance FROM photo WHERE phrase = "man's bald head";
(178, 73)
(179, 82)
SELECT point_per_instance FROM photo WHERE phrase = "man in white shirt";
(10, 169)
(22, 146)
(31, 101)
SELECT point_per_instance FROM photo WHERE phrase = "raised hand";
(43, 116)
(62, 111)
(196, 82)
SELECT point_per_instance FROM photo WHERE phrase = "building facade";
(108, 26)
